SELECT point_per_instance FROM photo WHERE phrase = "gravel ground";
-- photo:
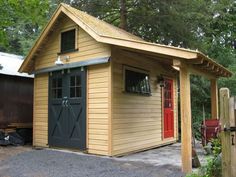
(52, 163)
(6, 152)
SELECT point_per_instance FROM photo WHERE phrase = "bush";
(213, 167)
(193, 175)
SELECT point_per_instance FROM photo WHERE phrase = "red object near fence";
(210, 129)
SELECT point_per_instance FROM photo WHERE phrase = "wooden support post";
(214, 99)
(225, 135)
(186, 120)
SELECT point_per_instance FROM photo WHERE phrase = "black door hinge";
(230, 129)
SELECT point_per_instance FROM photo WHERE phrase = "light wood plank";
(186, 125)
(225, 135)
(136, 120)
(98, 105)
(40, 113)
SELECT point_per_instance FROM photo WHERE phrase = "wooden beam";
(217, 69)
(193, 70)
(214, 99)
(186, 122)
(195, 61)
(225, 135)
(206, 65)
(202, 72)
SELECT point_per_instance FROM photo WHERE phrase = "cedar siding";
(88, 48)
(117, 122)
(40, 113)
(97, 111)
(97, 87)
(136, 119)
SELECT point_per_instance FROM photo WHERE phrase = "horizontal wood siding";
(88, 48)
(97, 83)
(98, 105)
(40, 118)
(136, 119)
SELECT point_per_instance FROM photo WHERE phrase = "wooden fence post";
(225, 135)
(233, 143)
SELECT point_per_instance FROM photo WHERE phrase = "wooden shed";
(101, 89)
(16, 98)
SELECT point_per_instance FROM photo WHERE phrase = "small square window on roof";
(68, 41)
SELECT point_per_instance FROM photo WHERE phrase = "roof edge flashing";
(94, 61)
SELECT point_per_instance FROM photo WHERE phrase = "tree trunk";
(123, 15)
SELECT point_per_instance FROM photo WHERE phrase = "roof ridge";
(72, 9)
(104, 32)
(100, 20)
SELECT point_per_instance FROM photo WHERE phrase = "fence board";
(225, 135)
(233, 146)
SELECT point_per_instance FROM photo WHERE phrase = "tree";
(196, 24)
(21, 24)
(123, 15)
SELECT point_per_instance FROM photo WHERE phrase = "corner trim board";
(94, 61)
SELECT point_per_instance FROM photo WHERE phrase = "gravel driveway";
(52, 163)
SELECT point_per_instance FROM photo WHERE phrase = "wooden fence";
(228, 136)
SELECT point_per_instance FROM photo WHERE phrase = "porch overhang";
(202, 65)
(197, 62)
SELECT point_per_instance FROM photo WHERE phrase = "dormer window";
(68, 41)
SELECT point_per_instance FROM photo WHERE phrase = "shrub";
(213, 167)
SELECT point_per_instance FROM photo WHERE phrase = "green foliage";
(21, 22)
(200, 100)
(216, 146)
(230, 82)
(205, 25)
(213, 167)
(193, 175)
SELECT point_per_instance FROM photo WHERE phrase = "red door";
(168, 109)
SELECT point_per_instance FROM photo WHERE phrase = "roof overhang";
(197, 59)
(94, 61)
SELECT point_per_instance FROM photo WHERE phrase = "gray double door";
(67, 109)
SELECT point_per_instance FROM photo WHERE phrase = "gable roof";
(109, 34)
(10, 63)
(102, 28)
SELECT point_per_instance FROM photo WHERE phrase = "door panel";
(168, 109)
(67, 106)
